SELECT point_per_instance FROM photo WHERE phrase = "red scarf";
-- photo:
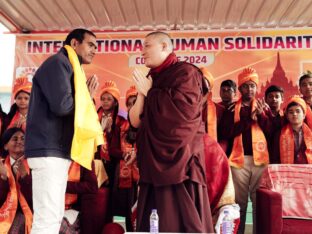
(170, 60)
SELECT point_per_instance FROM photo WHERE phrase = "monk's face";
(15, 145)
(154, 51)
(107, 102)
(306, 87)
(86, 49)
(248, 90)
(22, 100)
(295, 115)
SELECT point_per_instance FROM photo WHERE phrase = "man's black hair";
(77, 34)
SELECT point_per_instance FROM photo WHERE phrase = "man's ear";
(74, 43)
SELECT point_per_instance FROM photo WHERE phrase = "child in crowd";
(293, 144)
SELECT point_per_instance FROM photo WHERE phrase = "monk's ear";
(164, 46)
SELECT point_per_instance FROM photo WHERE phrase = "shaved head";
(162, 37)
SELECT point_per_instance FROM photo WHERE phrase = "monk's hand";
(3, 171)
(142, 83)
(93, 85)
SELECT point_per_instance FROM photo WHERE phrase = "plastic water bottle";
(227, 225)
(154, 222)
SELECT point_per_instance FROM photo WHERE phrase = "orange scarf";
(8, 209)
(287, 144)
(211, 118)
(16, 118)
(259, 145)
(309, 116)
(128, 173)
(73, 176)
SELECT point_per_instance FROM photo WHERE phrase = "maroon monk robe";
(217, 171)
(171, 153)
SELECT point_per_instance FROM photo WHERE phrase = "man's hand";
(93, 85)
(143, 84)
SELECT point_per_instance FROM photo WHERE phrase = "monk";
(168, 115)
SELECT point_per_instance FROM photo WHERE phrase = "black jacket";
(50, 119)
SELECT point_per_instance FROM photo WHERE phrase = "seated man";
(293, 144)
(15, 185)
(81, 181)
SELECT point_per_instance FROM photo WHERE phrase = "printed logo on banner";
(28, 72)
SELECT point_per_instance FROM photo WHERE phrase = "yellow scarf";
(259, 144)
(88, 133)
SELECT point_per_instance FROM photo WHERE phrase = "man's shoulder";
(59, 57)
(57, 60)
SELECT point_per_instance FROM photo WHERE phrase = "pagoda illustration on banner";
(279, 78)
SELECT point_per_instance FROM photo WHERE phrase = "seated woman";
(81, 181)
(293, 144)
(18, 111)
(15, 185)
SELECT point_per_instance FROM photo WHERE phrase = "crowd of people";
(178, 151)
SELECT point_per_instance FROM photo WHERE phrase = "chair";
(272, 217)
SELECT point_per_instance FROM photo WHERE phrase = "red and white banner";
(279, 56)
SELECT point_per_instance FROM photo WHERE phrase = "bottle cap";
(154, 210)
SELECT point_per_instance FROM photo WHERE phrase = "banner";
(279, 56)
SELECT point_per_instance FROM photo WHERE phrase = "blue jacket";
(50, 119)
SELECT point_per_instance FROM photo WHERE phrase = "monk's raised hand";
(142, 83)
